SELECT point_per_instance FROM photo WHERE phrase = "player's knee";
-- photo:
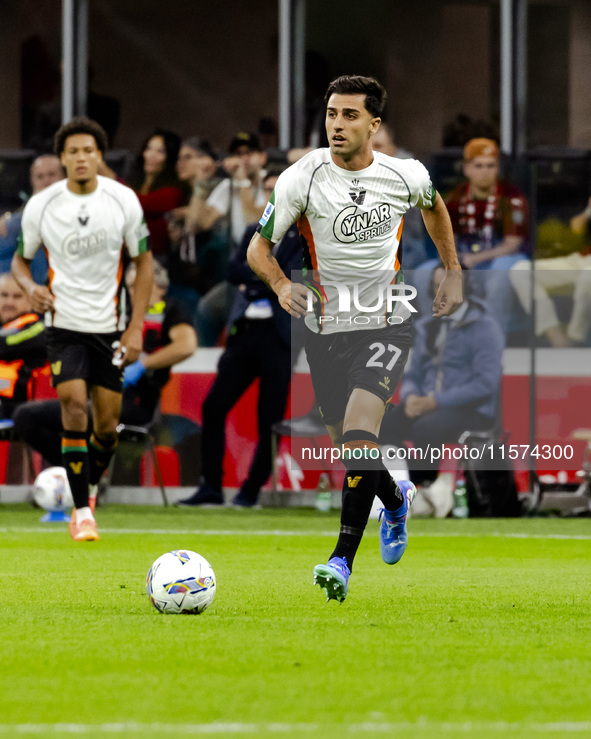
(105, 441)
(74, 412)
(105, 428)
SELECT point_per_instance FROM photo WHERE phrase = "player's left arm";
(132, 339)
(438, 225)
(136, 238)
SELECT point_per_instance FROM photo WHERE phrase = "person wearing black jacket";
(258, 346)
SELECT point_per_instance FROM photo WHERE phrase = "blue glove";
(132, 374)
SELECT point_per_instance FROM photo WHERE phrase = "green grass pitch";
(482, 630)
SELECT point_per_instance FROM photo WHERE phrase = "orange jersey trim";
(306, 231)
(398, 237)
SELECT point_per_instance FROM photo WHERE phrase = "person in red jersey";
(490, 223)
(158, 188)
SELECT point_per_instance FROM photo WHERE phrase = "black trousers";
(436, 428)
(254, 350)
(39, 423)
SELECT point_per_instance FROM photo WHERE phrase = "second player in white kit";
(349, 203)
(85, 223)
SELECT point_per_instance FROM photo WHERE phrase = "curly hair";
(375, 93)
(80, 124)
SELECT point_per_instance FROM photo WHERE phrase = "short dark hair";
(375, 93)
(80, 124)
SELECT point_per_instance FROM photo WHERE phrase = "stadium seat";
(496, 436)
(9, 436)
(310, 426)
(138, 435)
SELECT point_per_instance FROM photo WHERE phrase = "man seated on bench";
(22, 346)
(451, 385)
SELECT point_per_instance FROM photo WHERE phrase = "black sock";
(359, 489)
(75, 457)
(100, 452)
(388, 491)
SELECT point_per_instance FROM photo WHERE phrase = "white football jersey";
(351, 224)
(84, 236)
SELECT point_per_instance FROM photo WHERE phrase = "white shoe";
(421, 507)
(440, 494)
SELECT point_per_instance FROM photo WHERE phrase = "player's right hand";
(41, 299)
(293, 297)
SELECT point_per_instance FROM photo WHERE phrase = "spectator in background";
(45, 170)
(452, 384)
(412, 251)
(490, 222)
(268, 133)
(22, 345)
(571, 271)
(258, 346)
(168, 339)
(239, 199)
(197, 259)
(157, 186)
(235, 203)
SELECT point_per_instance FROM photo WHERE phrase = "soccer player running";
(349, 203)
(84, 222)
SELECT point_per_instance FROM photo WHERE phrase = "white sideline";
(277, 532)
(372, 728)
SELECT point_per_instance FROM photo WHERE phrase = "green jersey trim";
(267, 221)
(432, 195)
(142, 244)
(20, 244)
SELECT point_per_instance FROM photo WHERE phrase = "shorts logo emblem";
(56, 367)
(352, 482)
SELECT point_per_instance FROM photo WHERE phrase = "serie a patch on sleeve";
(267, 214)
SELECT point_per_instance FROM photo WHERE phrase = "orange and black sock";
(363, 462)
(75, 458)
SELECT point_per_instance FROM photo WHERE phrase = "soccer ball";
(52, 490)
(181, 582)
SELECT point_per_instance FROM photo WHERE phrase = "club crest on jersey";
(357, 193)
(351, 225)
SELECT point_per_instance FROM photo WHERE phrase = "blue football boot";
(393, 533)
(334, 578)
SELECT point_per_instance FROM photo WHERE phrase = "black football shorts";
(75, 355)
(372, 359)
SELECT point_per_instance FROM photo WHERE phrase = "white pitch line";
(279, 532)
(468, 727)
